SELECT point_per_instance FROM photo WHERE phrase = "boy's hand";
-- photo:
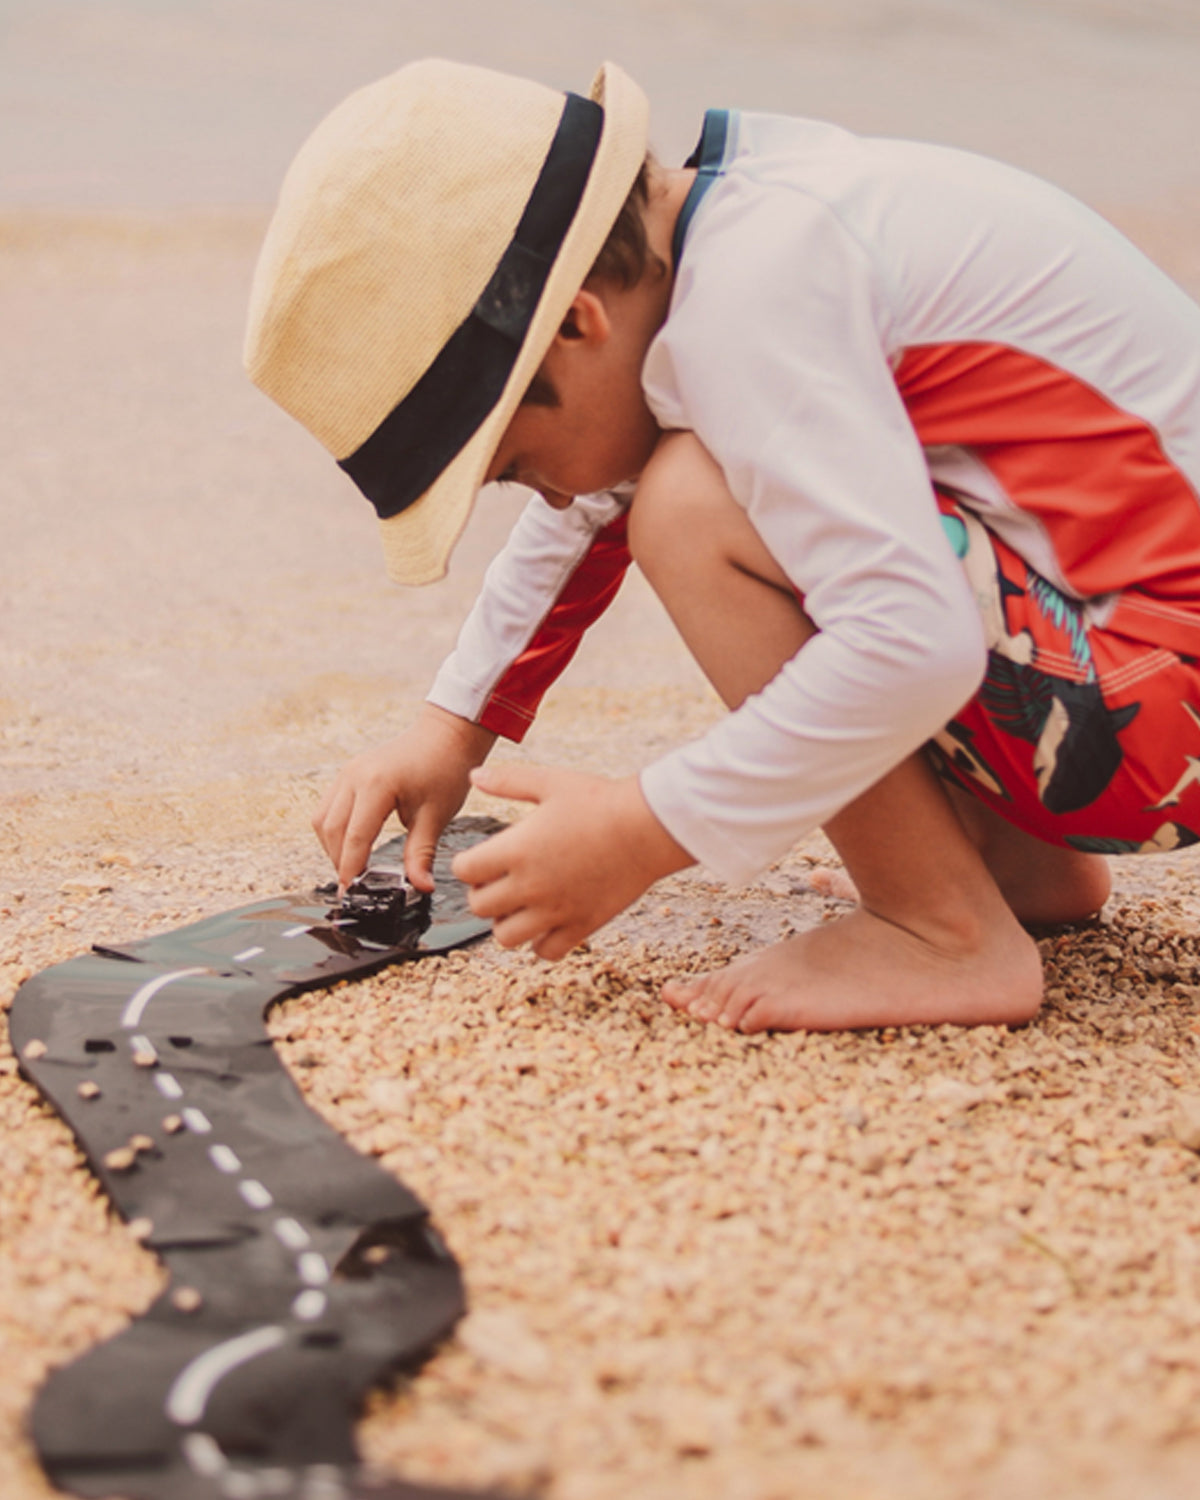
(423, 777)
(590, 847)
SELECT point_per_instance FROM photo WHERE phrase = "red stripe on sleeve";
(591, 588)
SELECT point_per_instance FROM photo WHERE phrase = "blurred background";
(167, 103)
(195, 628)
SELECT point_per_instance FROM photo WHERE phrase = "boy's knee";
(684, 518)
(682, 492)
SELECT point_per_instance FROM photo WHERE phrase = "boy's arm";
(557, 573)
(786, 380)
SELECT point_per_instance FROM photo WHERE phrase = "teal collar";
(709, 161)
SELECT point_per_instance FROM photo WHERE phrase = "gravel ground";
(915, 1264)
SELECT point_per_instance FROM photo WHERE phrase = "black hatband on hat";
(443, 411)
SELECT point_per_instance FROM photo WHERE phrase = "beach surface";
(923, 1265)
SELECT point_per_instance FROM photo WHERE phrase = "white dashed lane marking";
(314, 1268)
(292, 1233)
(196, 1120)
(195, 1383)
(296, 931)
(240, 958)
(204, 1455)
(132, 1015)
(224, 1159)
(310, 1305)
(254, 1193)
(168, 1085)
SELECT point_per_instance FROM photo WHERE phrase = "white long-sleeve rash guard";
(853, 320)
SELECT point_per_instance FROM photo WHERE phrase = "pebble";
(110, 857)
(173, 1124)
(662, 1322)
(953, 1094)
(34, 1050)
(89, 1089)
(84, 886)
(186, 1299)
(1185, 1121)
(121, 1159)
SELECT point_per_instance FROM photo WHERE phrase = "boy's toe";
(705, 1007)
(679, 994)
(738, 1004)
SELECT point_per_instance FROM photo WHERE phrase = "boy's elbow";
(937, 664)
(962, 663)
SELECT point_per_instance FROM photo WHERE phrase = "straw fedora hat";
(428, 241)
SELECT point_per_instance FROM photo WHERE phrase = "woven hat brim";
(418, 541)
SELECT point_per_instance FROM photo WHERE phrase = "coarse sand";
(915, 1264)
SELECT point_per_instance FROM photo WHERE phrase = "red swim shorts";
(1079, 735)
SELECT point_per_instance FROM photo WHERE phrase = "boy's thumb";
(520, 783)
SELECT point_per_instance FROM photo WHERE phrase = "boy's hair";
(625, 255)
(624, 258)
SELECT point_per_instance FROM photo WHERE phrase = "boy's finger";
(365, 822)
(520, 783)
(557, 943)
(521, 927)
(483, 864)
(330, 819)
(419, 849)
(493, 898)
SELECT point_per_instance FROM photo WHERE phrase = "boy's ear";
(587, 319)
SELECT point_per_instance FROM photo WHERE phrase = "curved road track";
(301, 1272)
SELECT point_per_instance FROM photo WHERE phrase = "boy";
(907, 442)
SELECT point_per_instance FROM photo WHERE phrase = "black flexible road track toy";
(301, 1272)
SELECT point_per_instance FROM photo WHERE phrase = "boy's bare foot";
(864, 971)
